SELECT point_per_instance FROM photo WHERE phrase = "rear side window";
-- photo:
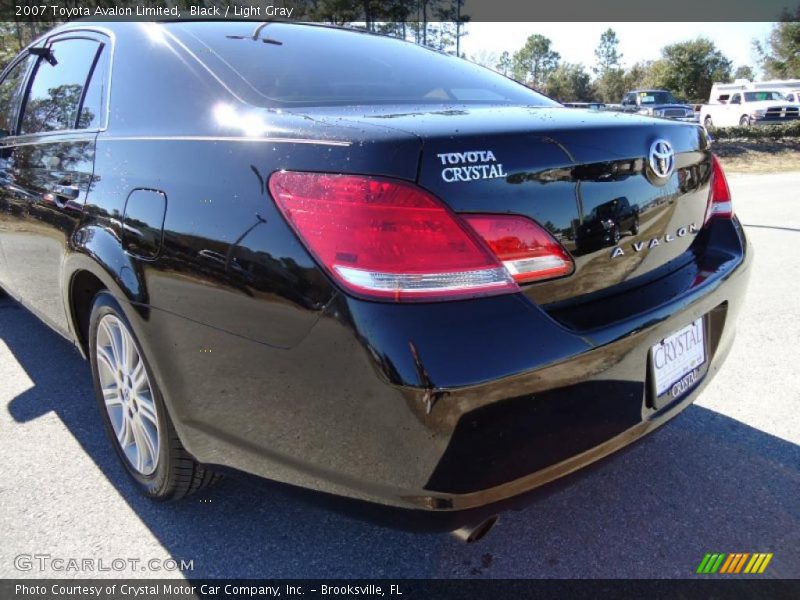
(763, 96)
(11, 95)
(285, 64)
(58, 84)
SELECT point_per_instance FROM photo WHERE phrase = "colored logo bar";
(731, 564)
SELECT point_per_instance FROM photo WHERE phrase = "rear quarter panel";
(227, 259)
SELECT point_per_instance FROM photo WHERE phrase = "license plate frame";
(671, 380)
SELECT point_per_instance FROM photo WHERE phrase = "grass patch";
(758, 156)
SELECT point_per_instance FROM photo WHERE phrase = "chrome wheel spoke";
(112, 397)
(104, 332)
(124, 431)
(147, 409)
(128, 353)
(150, 441)
(140, 445)
(139, 376)
(117, 347)
(113, 344)
(105, 358)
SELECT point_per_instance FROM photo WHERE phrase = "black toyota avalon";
(348, 263)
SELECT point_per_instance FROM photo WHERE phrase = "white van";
(721, 92)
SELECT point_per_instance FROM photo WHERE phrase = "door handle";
(60, 195)
(70, 192)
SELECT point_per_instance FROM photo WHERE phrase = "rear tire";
(744, 121)
(133, 409)
(708, 123)
(635, 228)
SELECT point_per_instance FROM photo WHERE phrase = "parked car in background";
(746, 108)
(341, 261)
(658, 103)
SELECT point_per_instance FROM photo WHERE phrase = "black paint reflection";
(604, 225)
(43, 190)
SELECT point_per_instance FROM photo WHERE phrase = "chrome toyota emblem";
(662, 158)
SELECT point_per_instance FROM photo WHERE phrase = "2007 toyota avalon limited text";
(348, 263)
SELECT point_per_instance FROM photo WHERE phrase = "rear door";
(12, 88)
(49, 167)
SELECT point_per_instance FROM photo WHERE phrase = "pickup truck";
(657, 103)
(746, 108)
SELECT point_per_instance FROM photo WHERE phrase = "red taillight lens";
(719, 199)
(527, 250)
(386, 239)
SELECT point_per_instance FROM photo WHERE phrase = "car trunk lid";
(566, 169)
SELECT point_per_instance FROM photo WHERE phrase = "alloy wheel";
(127, 394)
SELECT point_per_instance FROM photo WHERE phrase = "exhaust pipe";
(474, 532)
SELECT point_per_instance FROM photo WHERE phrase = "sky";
(576, 42)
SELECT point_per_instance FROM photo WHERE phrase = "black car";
(606, 223)
(344, 262)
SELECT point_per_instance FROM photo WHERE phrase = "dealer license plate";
(677, 358)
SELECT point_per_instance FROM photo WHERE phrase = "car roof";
(254, 25)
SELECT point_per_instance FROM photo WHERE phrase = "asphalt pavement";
(724, 476)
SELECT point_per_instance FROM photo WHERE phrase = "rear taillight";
(719, 198)
(383, 238)
(527, 250)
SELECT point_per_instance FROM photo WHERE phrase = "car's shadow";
(702, 483)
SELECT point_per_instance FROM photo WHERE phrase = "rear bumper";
(444, 406)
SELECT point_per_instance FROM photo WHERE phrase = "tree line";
(688, 69)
